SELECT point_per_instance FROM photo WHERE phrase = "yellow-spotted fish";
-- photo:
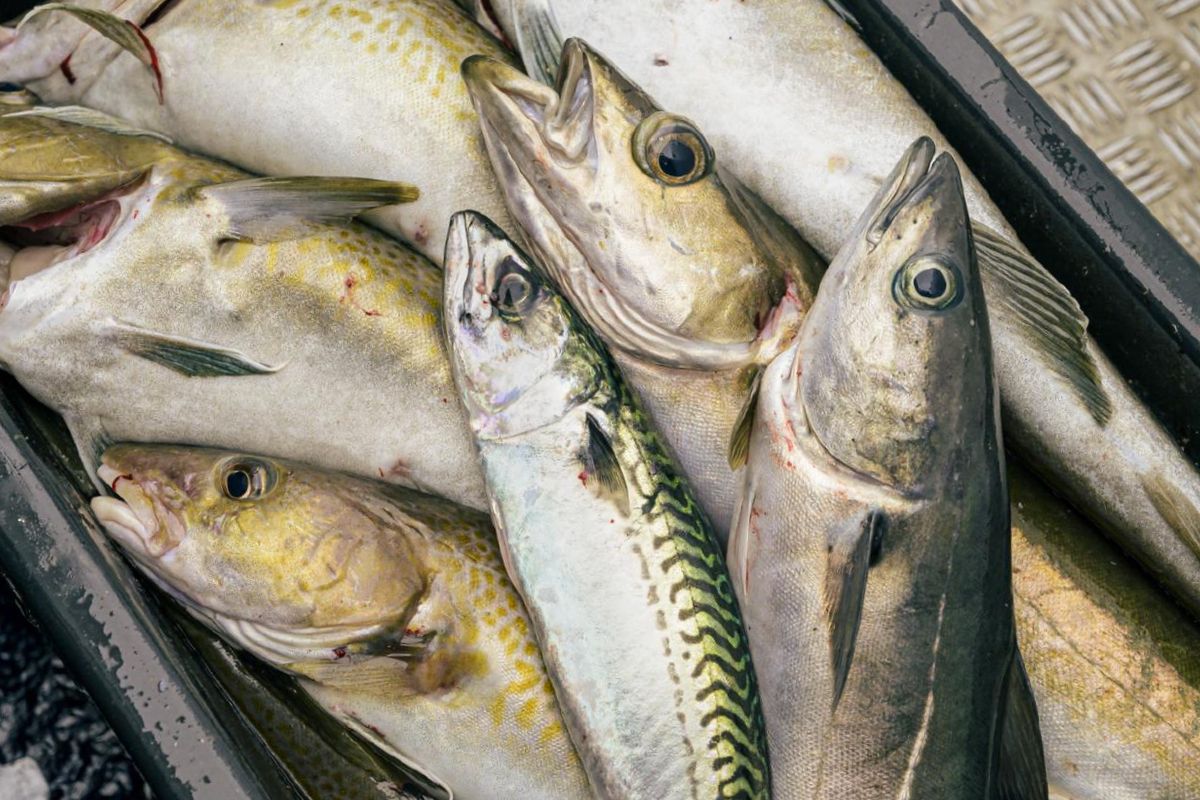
(152, 295)
(392, 607)
(282, 87)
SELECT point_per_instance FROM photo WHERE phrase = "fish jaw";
(145, 527)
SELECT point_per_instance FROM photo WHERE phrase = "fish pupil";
(676, 159)
(237, 483)
(930, 283)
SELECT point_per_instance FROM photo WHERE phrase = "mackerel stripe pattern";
(702, 625)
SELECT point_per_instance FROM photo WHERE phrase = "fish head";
(660, 250)
(518, 352)
(258, 545)
(896, 357)
(79, 202)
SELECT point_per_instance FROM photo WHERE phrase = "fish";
(635, 248)
(390, 607)
(789, 96)
(154, 295)
(871, 549)
(279, 87)
(624, 580)
(1114, 664)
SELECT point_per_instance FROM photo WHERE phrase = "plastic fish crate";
(1138, 286)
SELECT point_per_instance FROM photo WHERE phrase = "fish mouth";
(40, 241)
(918, 178)
(134, 519)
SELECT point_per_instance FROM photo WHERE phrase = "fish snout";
(132, 518)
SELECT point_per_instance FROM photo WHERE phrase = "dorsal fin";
(848, 562)
(1032, 299)
(274, 209)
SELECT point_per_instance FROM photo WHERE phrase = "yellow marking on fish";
(551, 732)
(527, 714)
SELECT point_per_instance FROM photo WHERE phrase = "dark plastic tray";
(1138, 287)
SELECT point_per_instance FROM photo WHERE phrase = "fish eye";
(515, 289)
(671, 150)
(247, 479)
(928, 284)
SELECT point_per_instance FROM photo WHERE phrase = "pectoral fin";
(601, 470)
(1047, 313)
(1022, 767)
(91, 440)
(850, 548)
(538, 41)
(188, 357)
(274, 209)
(122, 32)
(739, 439)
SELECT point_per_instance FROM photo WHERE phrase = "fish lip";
(133, 515)
(906, 177)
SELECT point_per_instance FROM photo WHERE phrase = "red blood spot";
(381, 472)
(400, 470)
(339, 652)
(505, 334)
(120, 478)
(373, 313)
(583, 476)
(65, 66)
(444, 400)
(158, 78)
(135, 213)
(611, 521)
(421, 235)
(490, 13)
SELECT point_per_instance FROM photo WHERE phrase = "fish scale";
(630, 600)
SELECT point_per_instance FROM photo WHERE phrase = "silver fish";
(622, 575)
(279, 87)
(788, 95)
(159, 296)
(391, 607)
(871, 547)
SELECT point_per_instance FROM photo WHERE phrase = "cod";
(279, 87)
(870, 549)
(391, 607)
(151, 295)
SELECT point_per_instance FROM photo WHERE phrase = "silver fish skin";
(871, 547)
(621, 573)
(788, 95)
(390, 606)
(158, 296)
(1114, 664)
(580, 169)
(354, 87)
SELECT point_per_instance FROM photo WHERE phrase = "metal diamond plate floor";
(1124, 75)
